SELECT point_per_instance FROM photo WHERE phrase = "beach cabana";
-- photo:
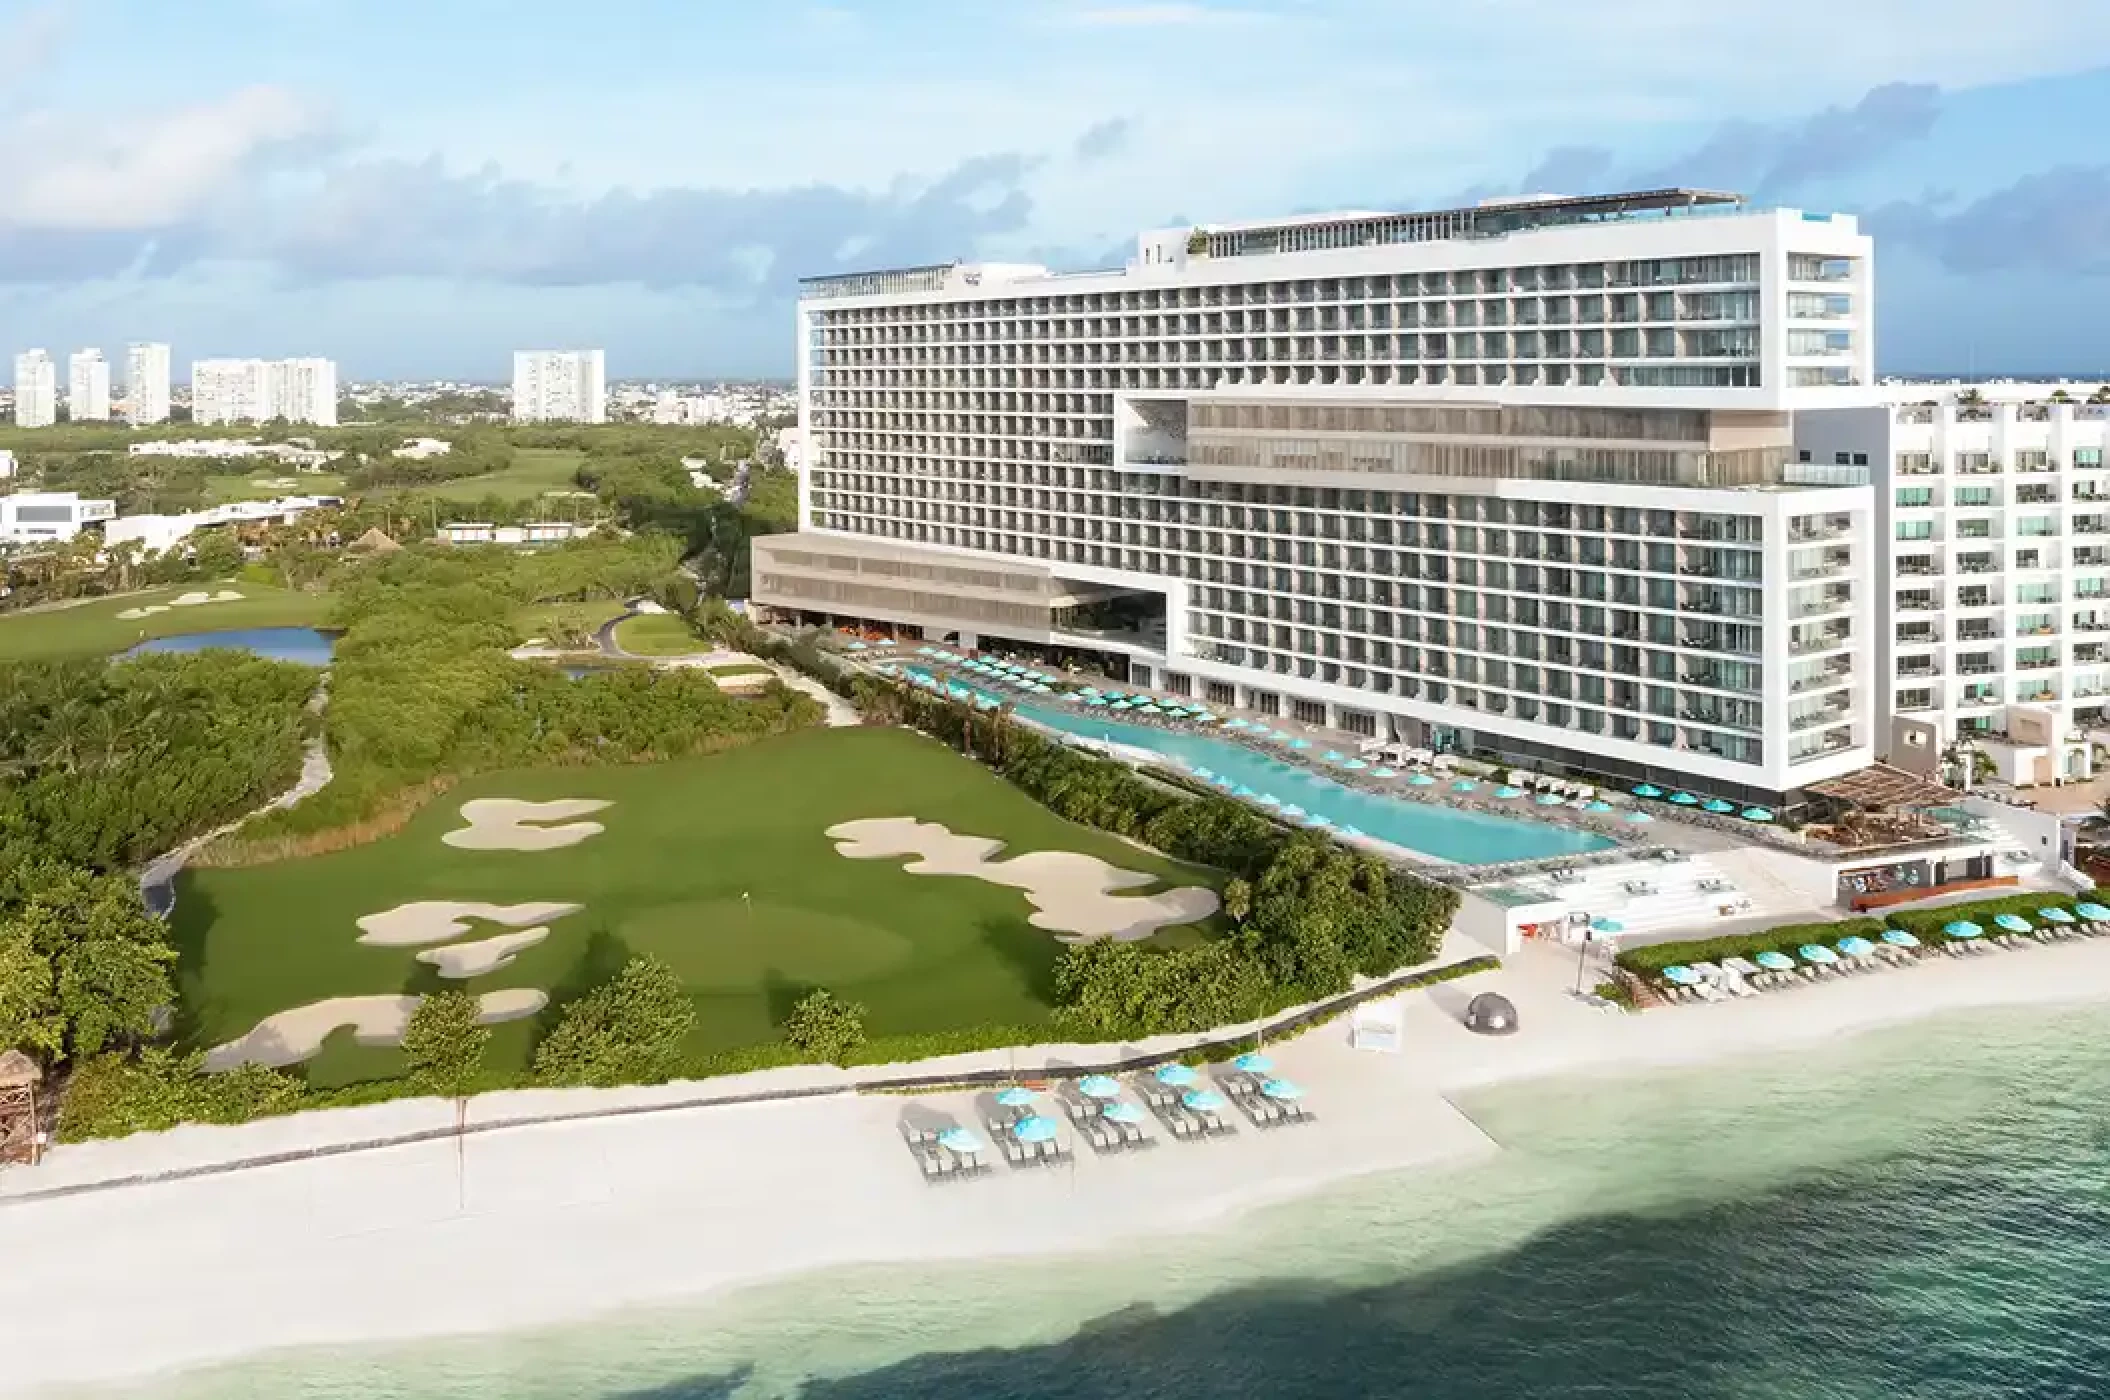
(1098, 1086)
(1176, 1074)
(1252, 1062)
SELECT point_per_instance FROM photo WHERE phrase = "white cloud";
(142, 170)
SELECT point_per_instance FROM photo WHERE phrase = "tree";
(825, 1026)
(29, 1019)
(1238, 900)
(444, 1043)
(83, 967)
(626, 1031)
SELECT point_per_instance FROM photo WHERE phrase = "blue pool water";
(1470, 838)
(302, 644)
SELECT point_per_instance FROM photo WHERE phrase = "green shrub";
(115, 1095)
(444, 1042)
(825, 1027)
(625, 1031)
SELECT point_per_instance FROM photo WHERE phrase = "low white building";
(37, 517)
(293, 454)
(7, 464)
(418, 449)
(157, 533)
(540, 532)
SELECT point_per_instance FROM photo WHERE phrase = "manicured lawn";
(95, 629)
(740, 668)
(718, 865)
(544, 618)
(221, 489)
(535, 470)
(658, 634)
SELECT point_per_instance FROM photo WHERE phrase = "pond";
(305, 645)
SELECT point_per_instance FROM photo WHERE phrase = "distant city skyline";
(300, 177)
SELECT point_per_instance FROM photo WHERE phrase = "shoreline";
(551, 1223)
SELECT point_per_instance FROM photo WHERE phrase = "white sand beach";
(531, 1225)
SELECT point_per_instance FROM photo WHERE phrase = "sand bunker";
(465, 960)
(293, 1036)
(501, 824)
(187, 600)
(1071, 894)
(437, 920)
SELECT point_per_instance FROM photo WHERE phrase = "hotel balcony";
(1809, 639)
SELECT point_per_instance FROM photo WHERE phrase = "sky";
(417, 189)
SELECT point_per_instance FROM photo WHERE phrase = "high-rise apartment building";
(1992, 546)
(146, 382)
(257, 391)
(560, 386)
(87, 386)
(36, 390)
(1518, 479)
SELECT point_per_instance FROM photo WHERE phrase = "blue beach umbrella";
(1243, 792)
(1034, 1129)
(1176, 1074)
(1648, 790)
(1684, 799)
(2013, 923)
(2056, 915)
(1292, 811)
(1097, 700)
(1234, 724)
(1355, 833)
(1719, 807)
(1597, 804)
(1122, 1112)
(1420, 780)
(1268, 799)
(1607, 926)
(1330, 756)
(1382, 772)
(1204, 774)
(1355, 763)
(1898, 938)
(2091, 911)
(1757, 814)
(1252, 1062)
(1508, 792)
(1774, 961)
(1464, 785)
(1282, 1089)
(1316, 820)
(1017, 1096)
(1225, 783)
(1856, 946)
(1962, 928)
(1639, 818)
(1817, 953)
(857, 646)
(1098, 1086)
(1681, 976)
(1203, 1100)
(1300, 743)
(959, 1140)
(1547, 799)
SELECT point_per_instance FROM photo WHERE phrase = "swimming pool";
(1469, 838)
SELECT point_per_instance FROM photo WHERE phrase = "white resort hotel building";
(1524, 480)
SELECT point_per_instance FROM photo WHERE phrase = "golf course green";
(719, 866)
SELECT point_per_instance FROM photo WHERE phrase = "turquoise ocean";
(1920, 1214)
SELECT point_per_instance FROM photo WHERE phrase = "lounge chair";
(929, 1164)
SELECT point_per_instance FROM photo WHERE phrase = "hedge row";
(1927, 925)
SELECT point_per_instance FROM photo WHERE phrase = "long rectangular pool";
(1468, 838)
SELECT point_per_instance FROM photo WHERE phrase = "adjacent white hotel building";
(1520, 479)
(560, 386)
(1993, 547)
(258, 391)
(87, 386)
(36, 390)
(146, 382)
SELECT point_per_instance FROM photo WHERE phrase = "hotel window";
(1915, 530)
(1910, 497)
